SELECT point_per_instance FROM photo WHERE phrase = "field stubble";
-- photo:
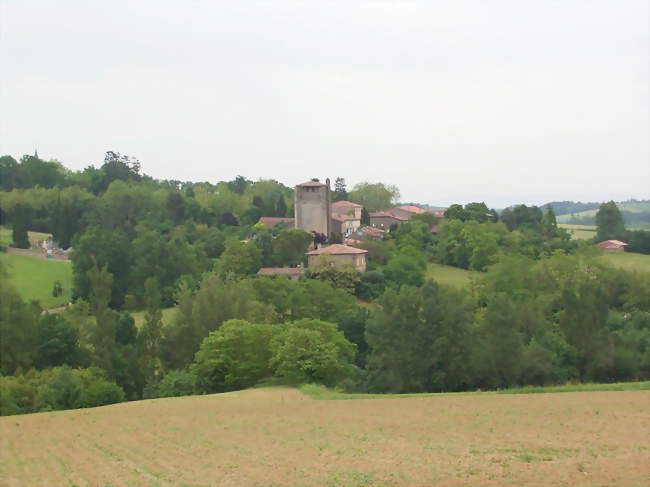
(277, 436)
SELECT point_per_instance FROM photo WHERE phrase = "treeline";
(543, 309)
(526, 321)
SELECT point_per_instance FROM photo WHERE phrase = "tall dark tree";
(609, 223)
(8, 173)
(365, 216)
(340, 190)
(21, 221)
(281, 207)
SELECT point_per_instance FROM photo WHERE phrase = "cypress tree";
(19, 233)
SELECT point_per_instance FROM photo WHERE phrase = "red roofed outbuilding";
(612, 245)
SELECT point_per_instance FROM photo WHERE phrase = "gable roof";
(310, 183)
(271, 221)
(389, 214)
(337, 249)
(412, 209)
(611, 244)
(285, 271)
(346, 204)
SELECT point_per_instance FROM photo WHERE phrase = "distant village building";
(292, 273)
(385, 219)
(339, 255)
(346, 217)
(612, 246)
(400, 214)
(312, 207)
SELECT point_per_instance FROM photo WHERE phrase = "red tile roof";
(311, 183)
(611, 244)
(412, 209)
(285, 271)
(387, 214)
(372, 231)
(346, 204)
(271, 221)
(337, 249)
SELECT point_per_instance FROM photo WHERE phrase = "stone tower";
(312, 207)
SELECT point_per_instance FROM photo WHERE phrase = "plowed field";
(276, 436)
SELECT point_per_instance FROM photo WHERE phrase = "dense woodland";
(542, 309)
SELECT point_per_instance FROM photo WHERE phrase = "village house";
(612, 246)
(338, 255)
(385, 219)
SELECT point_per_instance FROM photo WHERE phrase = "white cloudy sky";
(452, 101)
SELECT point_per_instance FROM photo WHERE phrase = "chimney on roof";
(315, 180)
(327, 181)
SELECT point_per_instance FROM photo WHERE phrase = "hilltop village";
(340, 221)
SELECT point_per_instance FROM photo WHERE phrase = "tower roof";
(311, 183)
(337, 249)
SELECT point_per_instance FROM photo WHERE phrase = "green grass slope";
(34, 278)
(453, 276)
(628, 260)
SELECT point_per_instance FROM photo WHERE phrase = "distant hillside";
(636, 214)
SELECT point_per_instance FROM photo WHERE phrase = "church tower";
(312, 207)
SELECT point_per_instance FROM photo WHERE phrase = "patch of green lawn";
(628, 260)
(321, 392)
(34, 278)
(453, 276)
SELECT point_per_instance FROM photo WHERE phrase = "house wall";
(312, 209)
(358, 261)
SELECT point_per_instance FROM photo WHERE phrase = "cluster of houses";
(315, 213)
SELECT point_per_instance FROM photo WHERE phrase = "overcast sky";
(452, 101)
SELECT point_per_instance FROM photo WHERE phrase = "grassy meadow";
(579, 232)
(5, 236)
(34, 278)
(628, 260)
(282, 437)
(453, 276)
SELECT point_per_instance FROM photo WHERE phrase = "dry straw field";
(279, 436)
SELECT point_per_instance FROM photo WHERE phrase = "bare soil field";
(278, 436)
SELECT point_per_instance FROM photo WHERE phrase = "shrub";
(177, 383)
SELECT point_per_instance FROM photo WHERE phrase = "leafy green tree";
(404, 269)
(150, 334)
(240, 259)
(68, 214)
(549, 223)
(234, 357)
(311, 351)
(18, 328)
(8, 173)
(101, 247)
(175, 206)
(374, 196)
(609, 223)
(58, 342)
(177, 383)
(216, 301)
(420, 340)
(239, 185)
(290, 246)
